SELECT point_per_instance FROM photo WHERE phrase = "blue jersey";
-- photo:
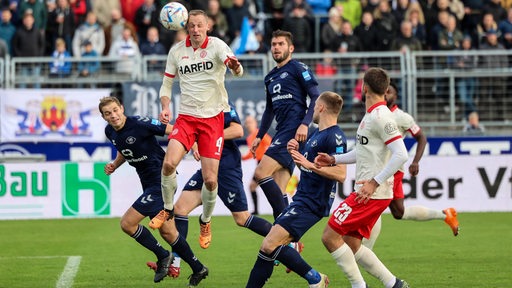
(315, 191)
(137, 143)
(286, 90)
(231, 157)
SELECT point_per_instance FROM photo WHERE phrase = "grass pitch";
(96, 253)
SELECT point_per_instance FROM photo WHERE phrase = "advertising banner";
(51, 115)
(97, 152)
(68, 190)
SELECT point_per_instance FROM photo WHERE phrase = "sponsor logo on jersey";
(306, 75)
(363, 140)
(196, 67)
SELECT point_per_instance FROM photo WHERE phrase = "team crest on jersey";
(131, 140)
(284, 75)
(314, 143)
(203, 54)
(390, 128)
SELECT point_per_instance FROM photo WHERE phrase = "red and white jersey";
(405, 122)
(201, 73)
(377, 129)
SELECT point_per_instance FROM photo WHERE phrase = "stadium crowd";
(346, 25)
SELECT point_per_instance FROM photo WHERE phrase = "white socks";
(374, 234)
(371, 263)
(346, 261)
(169, 186)
(420, 213)
(208, 198)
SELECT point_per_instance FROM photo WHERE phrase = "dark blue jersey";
(231, 157)
(287, 88)
(313, 190)
(137, 143)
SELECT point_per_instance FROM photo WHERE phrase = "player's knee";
(168, 168)
(127, 227)
(210, 183)
(267, 247)
(397, 213)
(241, 218)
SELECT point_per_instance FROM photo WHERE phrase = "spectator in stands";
(494, 87)
(331, 30)
(466, 85)
(220, 23)
(454, 7)
(370, 5)
(494, 7)
(399, 9)
(415, 15)
(320, 7)
(352, 10)
(79, 8)
(61, 24)
(7, 29)
(433, 37)
(450, 37)
(147, 15)
(11, 5)
(406, 41)
(473, 14)
(115, 29)
(103, 11)
(386, 26)
(487, 24)
(276, 10)
(291, 5)
(90, 31)
(347, 42)
(366, 32)
(505, 28)
(60, 66)
(326, 67)
(88, 68)
(129, 8)
(127, 49)
(37, 9)
(298, 23)
(152, 46)
(28, 41)
(473, 127)
(235, 16)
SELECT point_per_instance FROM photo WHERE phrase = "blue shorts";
(150, 202)
(297, 219)
(277, 149)
(231, 188)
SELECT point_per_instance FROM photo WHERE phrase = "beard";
(282, 57)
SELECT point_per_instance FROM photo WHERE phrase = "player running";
(135, 141)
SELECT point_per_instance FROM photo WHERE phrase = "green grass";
(425, 254)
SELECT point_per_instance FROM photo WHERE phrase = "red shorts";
(357, 219)
(398, 189)
(208, 132)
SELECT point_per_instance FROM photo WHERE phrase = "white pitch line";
(68, 274)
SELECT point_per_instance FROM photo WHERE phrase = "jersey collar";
(188, 43)
(376, 105)
(393, 108)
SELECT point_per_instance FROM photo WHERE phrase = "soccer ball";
(174, 16)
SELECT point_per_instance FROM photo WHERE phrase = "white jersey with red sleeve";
(377, 129)
(405, 122)
(201, 74)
